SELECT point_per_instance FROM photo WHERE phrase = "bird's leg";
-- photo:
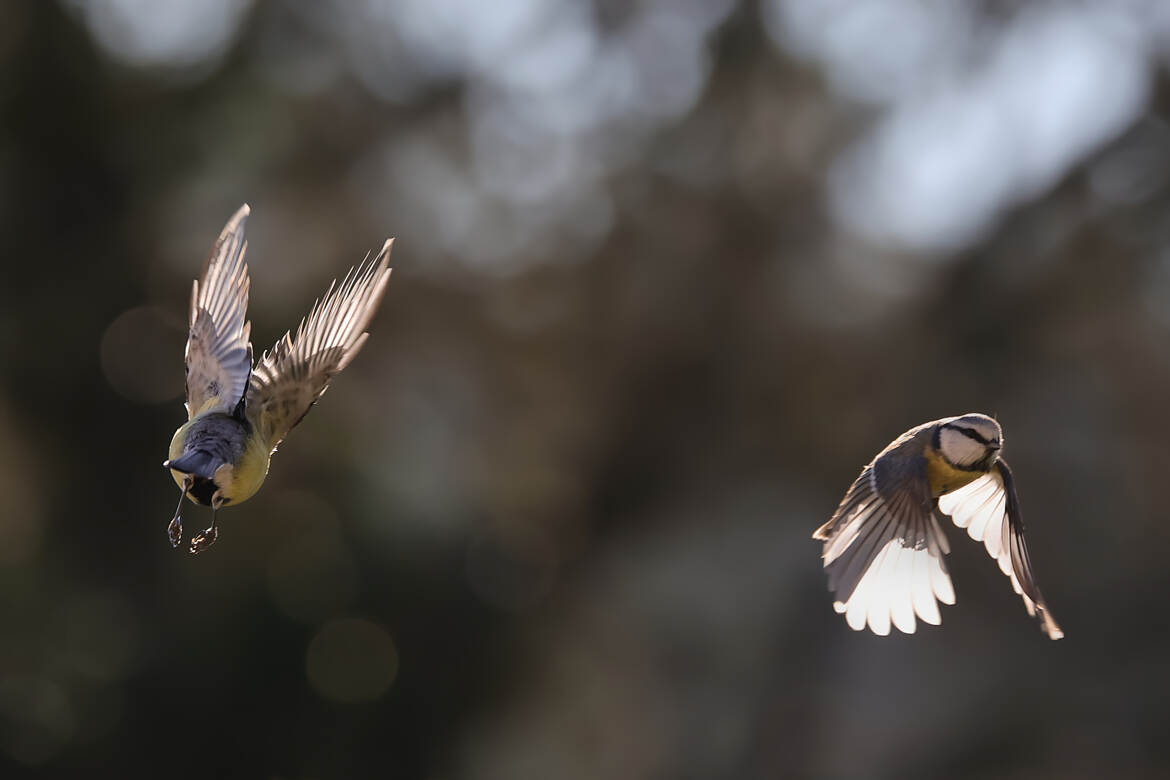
(201, 541)
(175, 529)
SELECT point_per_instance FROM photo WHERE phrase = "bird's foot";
(201, 541)
(175, 531)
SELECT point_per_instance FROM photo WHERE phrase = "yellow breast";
(242, 481)
(944, 477)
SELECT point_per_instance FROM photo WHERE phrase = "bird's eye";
(975, 435)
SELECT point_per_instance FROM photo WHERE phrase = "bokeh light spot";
(351, 660)
(171, 33)
(141, 353)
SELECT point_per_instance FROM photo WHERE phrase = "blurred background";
(667, 274)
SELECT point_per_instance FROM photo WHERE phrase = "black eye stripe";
(970, 433)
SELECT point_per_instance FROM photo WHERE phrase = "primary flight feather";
(237, 414)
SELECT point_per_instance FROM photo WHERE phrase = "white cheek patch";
(960, 449)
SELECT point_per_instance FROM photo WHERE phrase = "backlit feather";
(219, 353)
(291, 376)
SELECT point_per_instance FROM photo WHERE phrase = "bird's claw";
(175, 531)
(201, 541)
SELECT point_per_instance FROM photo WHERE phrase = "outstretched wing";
(990, 511)
(291, 376)
(219, 354)
(884, 549)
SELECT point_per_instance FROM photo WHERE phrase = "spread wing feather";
(884, 549)
(219, 353)
(990, 511)
(291, 376)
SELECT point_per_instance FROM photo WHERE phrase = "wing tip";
(381, 265)
(1048, 625)
(236, 221)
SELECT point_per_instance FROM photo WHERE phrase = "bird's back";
(206, 445)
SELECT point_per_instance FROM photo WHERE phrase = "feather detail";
(884, 549)
(219, 354)
(291, 376)
(990, 511)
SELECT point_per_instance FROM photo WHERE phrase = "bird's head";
(970, 441)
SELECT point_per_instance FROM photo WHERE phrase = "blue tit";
(884, 545)
(238, 413)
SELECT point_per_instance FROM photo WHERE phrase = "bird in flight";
(884, 545)
(238, 413)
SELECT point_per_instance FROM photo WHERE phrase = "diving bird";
(238, 413)
(884, 545)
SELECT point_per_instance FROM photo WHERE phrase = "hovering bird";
(238, 413)
(884, 546)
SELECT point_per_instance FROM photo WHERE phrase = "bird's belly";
(246, 477)
(945, 478)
